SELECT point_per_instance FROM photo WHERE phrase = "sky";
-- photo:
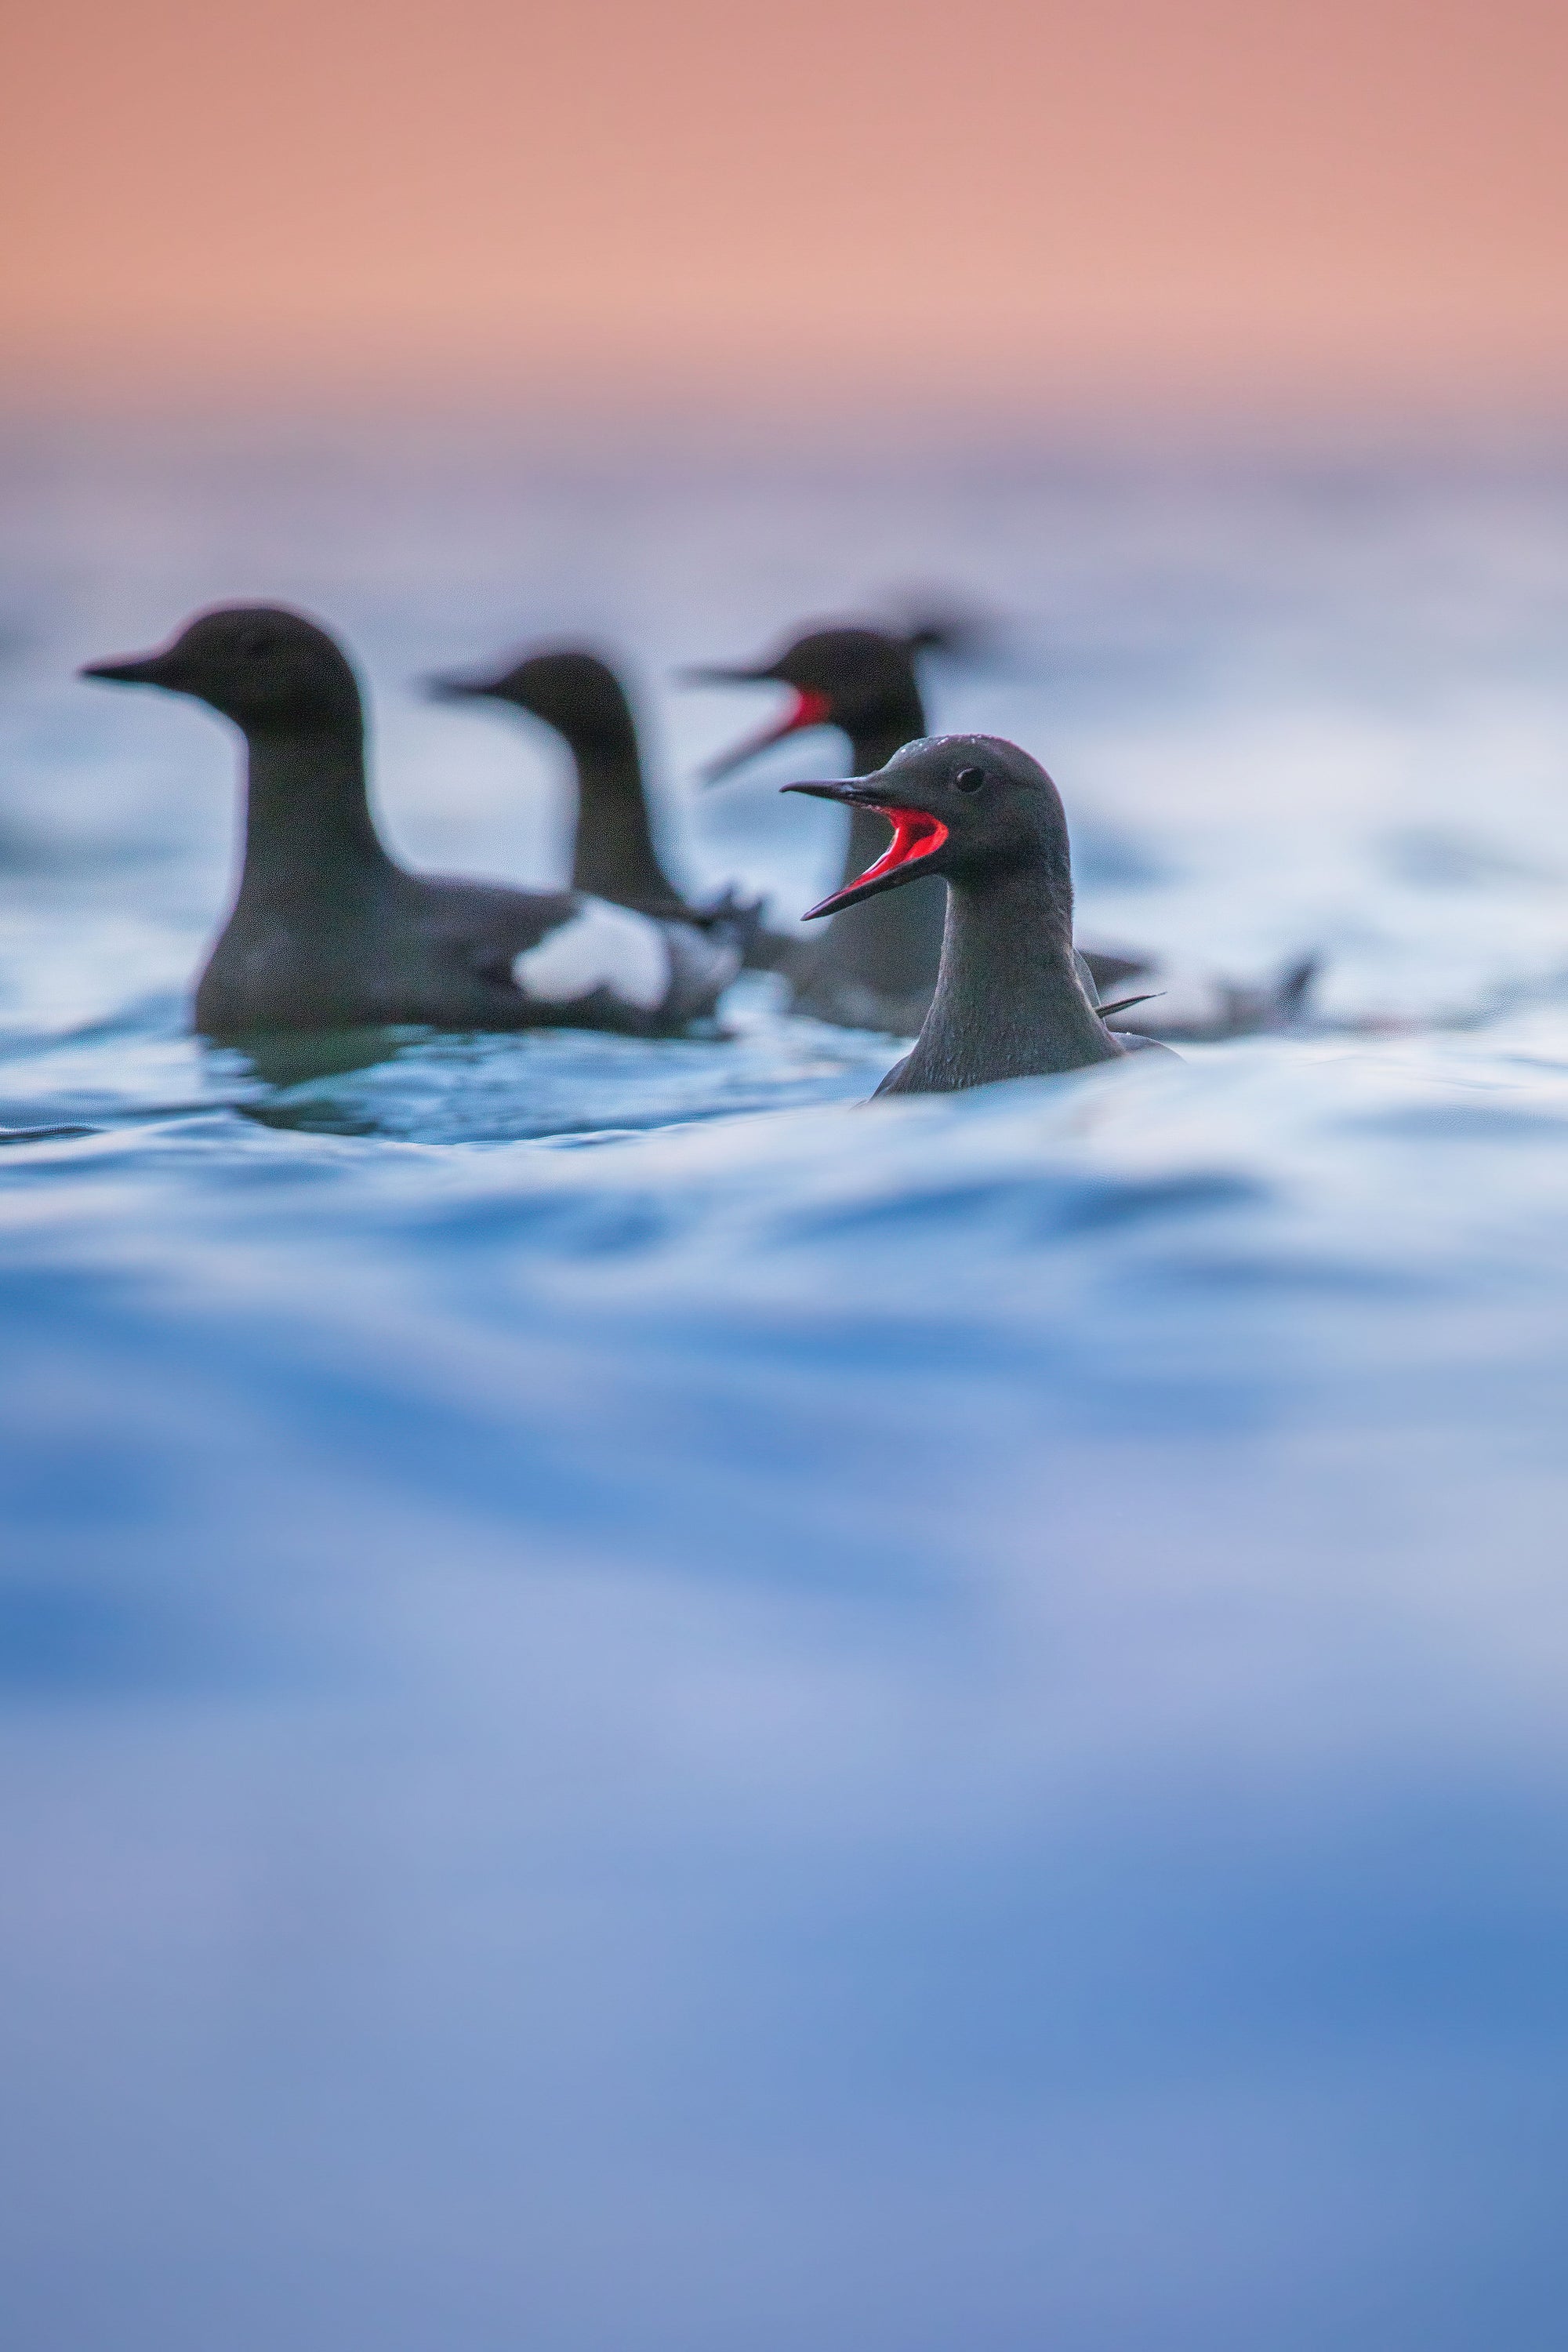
(980, 200)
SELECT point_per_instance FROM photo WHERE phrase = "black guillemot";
(1010, 1000)
(877, 966)
(577, 694)
(328, 931)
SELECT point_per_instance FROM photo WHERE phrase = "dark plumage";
(328, 931)
(1010, 1000)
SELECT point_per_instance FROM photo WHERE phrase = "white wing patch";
(601, 946)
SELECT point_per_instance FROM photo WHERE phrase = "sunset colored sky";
(980, 199)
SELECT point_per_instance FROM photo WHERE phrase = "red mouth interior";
(810, 710)
(915, 836)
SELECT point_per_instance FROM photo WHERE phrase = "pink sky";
(1318, 198)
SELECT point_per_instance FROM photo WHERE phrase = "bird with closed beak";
(329, 932)
(577, 694)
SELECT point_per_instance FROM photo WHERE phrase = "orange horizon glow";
(1353, 199)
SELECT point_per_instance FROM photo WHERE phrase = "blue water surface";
(645, 1708)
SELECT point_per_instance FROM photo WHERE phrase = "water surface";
(648, 1708)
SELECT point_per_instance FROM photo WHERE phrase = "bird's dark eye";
(969, 779)
(254, 641)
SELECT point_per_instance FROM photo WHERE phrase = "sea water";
(646, 1708)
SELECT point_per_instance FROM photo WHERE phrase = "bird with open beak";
(1010, 998)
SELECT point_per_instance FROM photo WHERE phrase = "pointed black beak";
(851, 790)
(443, 687)
(142, 669)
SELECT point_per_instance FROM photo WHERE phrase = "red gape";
(811, 710)
(915, 836)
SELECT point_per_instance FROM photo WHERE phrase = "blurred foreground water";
(644, 1709)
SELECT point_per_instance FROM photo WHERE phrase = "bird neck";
(871, 746)
(1009, 1000)
(308, 827)
(612, 853)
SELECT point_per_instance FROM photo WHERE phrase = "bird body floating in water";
(329, 932)
(1010, 1001)
(877, 966)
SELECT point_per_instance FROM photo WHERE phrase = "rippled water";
(647, 1709)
